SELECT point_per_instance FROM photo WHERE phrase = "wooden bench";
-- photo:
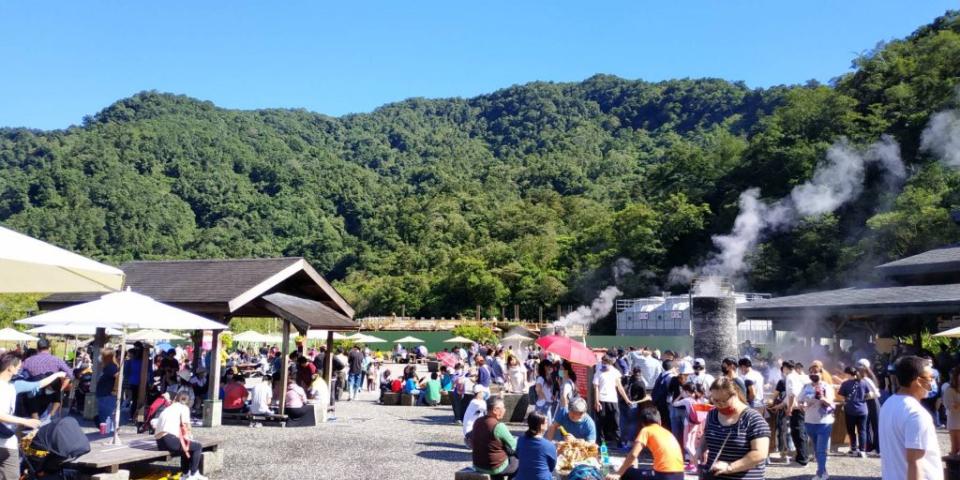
(408, 400)
(390, 398)
(104, 458)
(236, 418)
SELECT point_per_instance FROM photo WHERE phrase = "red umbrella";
(568, 349)
(448, 358)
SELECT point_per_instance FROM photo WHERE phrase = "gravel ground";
(371, 441)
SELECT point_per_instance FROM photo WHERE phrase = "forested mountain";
(526, 195)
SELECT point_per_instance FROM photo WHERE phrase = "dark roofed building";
(221, 289)
(914, 292)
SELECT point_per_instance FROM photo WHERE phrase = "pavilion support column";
(918, 334)
(142, 388)
(284, 368)
(90, 401)
(328, 362)
(213, 407)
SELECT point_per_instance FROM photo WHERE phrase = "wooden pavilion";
(910, 294)
(288, 288)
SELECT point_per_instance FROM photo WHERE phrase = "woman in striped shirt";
(736, 438)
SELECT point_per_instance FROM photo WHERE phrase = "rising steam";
(585, 316)
(942, 137)
(834, 183)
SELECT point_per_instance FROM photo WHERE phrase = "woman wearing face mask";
(817, 399)
(736, 438)
(547, 390)
(567, 379)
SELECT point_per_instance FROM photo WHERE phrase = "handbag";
(704, 471)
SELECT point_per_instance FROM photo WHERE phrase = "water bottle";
(110, 424)
(604, 456)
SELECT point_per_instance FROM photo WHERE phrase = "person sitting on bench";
(173, 435)
(262, 396)
(296, 400)
(429, 391)
(235, 395)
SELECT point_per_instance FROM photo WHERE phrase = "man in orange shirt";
(667, 455)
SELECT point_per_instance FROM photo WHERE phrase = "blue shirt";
(854, 394)
(483, 376)
(409, 385)
(585, 429)
(538, 458)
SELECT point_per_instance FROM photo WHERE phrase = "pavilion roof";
(859, 301)
(939, 260)
(226, 287)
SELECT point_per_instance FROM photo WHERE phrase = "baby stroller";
(55, 443)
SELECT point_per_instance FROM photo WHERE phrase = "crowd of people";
(759, 408)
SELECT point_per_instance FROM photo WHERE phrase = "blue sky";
(60, 61)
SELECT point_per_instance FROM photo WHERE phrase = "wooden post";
(478, 313)
(284, 369)
(328, 362)
(403, 312)
(212, 407)
(142, 388)
(559, 312)
(918, 335)
(516, 312)
(540, 315)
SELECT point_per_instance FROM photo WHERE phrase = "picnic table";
(136, 448)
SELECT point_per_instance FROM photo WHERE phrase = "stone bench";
(408, 400)
(446, 398)
(469, 474)
(516, 405)
(240, 418)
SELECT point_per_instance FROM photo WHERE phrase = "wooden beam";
(328, 362)
(284, 369)
(142, 388)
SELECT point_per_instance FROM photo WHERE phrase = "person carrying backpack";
(661, 389)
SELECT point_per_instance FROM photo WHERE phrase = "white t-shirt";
(813, 410)
(475, 409)
(904, 423)
(261, 398)
(568, 390)
(8, 403)
(794, 383)
(170, 419)
(547, 390)
(757, 379)
(871, 387)
(607, 383)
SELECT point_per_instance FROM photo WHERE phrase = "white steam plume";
(834, 183)
(586, 316)
(941, 137)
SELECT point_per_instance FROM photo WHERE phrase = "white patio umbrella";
(362, 338)
(952, 333)
(124, 310)
(458, 340)
(32, 266)
(251, 336)
(153, 335)
(12, 335)
(322, 334)
(72, 330)
(517, 338)
(408, 339)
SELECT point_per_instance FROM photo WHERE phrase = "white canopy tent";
(12, 335)
(124, 310)
(71, 330)
(458, 340)
(322, 334)
(408, 339)
(153, 335)
(28, 265)
(252, 336)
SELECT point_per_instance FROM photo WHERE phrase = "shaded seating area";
(288, 288)
(105, 459)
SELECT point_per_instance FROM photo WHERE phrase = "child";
(691, 394)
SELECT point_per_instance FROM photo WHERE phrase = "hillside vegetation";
(526, 195)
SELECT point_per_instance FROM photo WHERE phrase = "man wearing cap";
(700, 375)
(575, 422)
(748, 373)
(38, 367)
